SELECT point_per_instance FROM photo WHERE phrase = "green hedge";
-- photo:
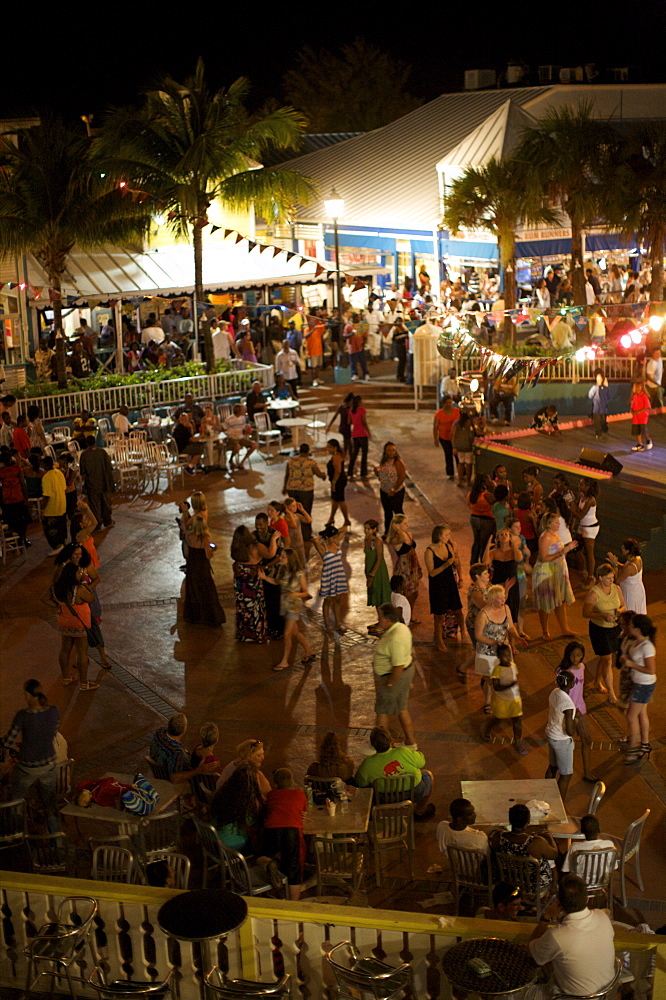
(110, 381)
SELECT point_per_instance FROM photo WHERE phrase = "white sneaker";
(638, 447)
(367, 378)
(315, 384)
(649, 445)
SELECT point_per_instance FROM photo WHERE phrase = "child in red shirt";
(640, 408)
(283, 828)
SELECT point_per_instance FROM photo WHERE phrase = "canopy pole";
(118, 320)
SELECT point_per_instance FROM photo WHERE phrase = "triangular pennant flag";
(304, 261)
(276, 251)
(318, 270)
(330, 275)
(213, 229)
(2, 285)
(227, 232)
(358, 286)
(290, 254)
(12, 284)
(37, 291)
(239, 237)
(262, 247)
(250, 246)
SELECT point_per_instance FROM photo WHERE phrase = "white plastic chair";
(9, 542)
(630, 850)
(265, 433)
(224, 410)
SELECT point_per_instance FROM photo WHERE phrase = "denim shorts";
(560, 755)
(641, 694)
(424, 787)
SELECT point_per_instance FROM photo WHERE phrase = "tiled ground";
(162, 664)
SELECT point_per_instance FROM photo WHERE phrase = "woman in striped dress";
(333, 580)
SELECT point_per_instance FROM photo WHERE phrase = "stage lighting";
(625, 340)
(474, 385)
(636, 336)
(656, 323)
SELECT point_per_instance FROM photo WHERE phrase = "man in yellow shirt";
(54, 518)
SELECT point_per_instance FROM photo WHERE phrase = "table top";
(493, 799)
(293, 422)
(512, 965)
(283, 404)
(202, 914)
(356, 820)
(168, 794)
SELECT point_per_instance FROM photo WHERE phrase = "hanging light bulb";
(656, 323)
(636, 336)
(580, 355)
(625, 340)
(474, 385)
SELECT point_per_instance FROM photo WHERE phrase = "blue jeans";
(358, 358)
(24, 777)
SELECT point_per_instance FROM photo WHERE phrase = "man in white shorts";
(237, 433)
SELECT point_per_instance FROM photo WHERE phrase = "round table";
(202, 915)
(294, 424)
(512, 965)
(283, 404)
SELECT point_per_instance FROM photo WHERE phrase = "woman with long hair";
(551, 588)
(642, 661)
(74, 598)
(407, 565)
(202, 605)
(629, 576)
(76, 554)
(81, 528)
(481, 499)
(297, 518)
(270, 566)
(294, 590)
(391, 473)
(344, 427)
(250, 752)
(236, 810)
(332, 762)
(442, 562)
(376, 571)
(588, 525)
(335, 470)
(31, 736)
(462, 439)
(503, 557)
(360, 434)
(602, 607)
(246, 553)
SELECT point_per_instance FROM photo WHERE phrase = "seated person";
(507, 903)
(238, 433)
(392, 761)
(589, 827)
(209, 734)
(545, 420)
(250, 752)
(187, 442)
(33, 472)
(282, 389)
(83, 426)
(460, 832)
(332, 762)
(160, 874)
(167, 751)
(121, 420)
(191, 408)
(255, 401)
(579, 945)
(237, 810)
(524, 844)
(283, 828)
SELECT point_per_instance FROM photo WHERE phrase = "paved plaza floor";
(161, 664)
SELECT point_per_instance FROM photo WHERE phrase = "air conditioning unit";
(477, 79)
(514, 73)
(571, 74)
(620, 74)
(547, 74)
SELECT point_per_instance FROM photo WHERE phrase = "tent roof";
(496, 137)
(387, 177)
(170, 270)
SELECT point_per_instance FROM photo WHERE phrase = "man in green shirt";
(394, 671)
(54, 518)
(391, 761)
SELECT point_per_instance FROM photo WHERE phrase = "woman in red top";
(14, 497)
(442, 426)
(480, 500)
(74, 599)
(283, 828)
(82, 525)
(276, 511)
(528, 524)
(640, 409)
(21, 437)
(360, 437)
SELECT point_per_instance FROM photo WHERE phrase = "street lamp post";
(335, 206)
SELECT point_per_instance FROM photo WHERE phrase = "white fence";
(134, 396)
(616, 369)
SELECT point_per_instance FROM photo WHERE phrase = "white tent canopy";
(170, 271)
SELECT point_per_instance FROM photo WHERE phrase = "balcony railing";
(167, 393)
(278, 935)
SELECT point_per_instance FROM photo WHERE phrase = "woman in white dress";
(629, 576)
(588, 526)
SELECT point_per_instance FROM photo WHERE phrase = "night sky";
(79, 59)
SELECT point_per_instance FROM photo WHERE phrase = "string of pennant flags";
(319, 269)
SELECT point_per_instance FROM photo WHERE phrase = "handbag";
(484, 664)
(92, 638)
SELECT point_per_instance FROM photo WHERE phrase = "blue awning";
(474, 249)
(594, 242)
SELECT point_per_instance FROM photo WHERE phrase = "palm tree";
(53, 199)
(188, 146)
(493, 197)
(565, 156)
(636, 197)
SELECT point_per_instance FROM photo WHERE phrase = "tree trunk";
(657, 264)
(577, 271)
(61, 353)
(204, 327)
(507, 249)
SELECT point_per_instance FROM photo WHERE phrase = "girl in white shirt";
(641, 659)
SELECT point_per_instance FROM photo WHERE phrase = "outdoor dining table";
(202, 916)
(127, 822)
(294, 424)
(493, 799)
(282, 404)
(512, 967)
(355, 821)
(158, 429)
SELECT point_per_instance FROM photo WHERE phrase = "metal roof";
(321, 140)
(387, 177)
(496, 137)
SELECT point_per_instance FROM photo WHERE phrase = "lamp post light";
(335, 206)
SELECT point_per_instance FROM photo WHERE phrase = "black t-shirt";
(181, 435)
(253, 402)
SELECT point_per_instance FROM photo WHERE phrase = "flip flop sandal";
(487, 710)
(309, 659)
(90, 686)
(66, 681)
(277, 668)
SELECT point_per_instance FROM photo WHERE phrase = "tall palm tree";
(565, 157)
(493, 197)
(53, 199)
(189, 145)
(636, 197)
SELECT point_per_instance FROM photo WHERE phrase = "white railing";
(134, 396)
(616, 369)
(278, 934)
